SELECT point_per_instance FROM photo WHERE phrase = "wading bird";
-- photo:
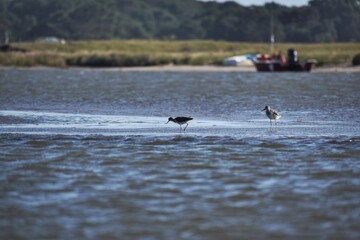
(180, 121)
(271, 114)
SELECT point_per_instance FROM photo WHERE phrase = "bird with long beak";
(180, 121)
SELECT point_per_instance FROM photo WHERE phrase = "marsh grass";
(118, 53)
(32, 59)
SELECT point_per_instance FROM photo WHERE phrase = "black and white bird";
(180, 121)
(272, 114)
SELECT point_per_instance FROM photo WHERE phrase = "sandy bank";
(188, 68)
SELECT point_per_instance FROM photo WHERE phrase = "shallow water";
(87, 154)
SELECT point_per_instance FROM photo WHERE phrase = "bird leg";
(186, 127)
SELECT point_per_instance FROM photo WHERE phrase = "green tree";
(320, 21)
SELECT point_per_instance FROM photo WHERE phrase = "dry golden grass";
(154, 52)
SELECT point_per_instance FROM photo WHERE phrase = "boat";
(241, 60)
(278, 63)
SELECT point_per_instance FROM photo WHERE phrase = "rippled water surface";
(86, 154)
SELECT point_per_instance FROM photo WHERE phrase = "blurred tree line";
(319, 21)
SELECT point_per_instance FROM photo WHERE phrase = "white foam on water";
(40, 122)
(52, 121)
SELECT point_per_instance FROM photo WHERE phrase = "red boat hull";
(271, 66)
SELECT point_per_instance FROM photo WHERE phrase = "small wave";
(12, 120)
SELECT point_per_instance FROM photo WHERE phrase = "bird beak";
(263, 109)
(167, 122)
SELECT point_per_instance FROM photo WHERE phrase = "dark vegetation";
(112, 33)
(321, 21)
(356, 60)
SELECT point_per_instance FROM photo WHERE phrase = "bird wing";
(183, 119)
(275, 112)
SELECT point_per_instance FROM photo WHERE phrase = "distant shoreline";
(166, 55)
(210, 68)
(191, 68)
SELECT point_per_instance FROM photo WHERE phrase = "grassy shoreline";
(138, 53)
